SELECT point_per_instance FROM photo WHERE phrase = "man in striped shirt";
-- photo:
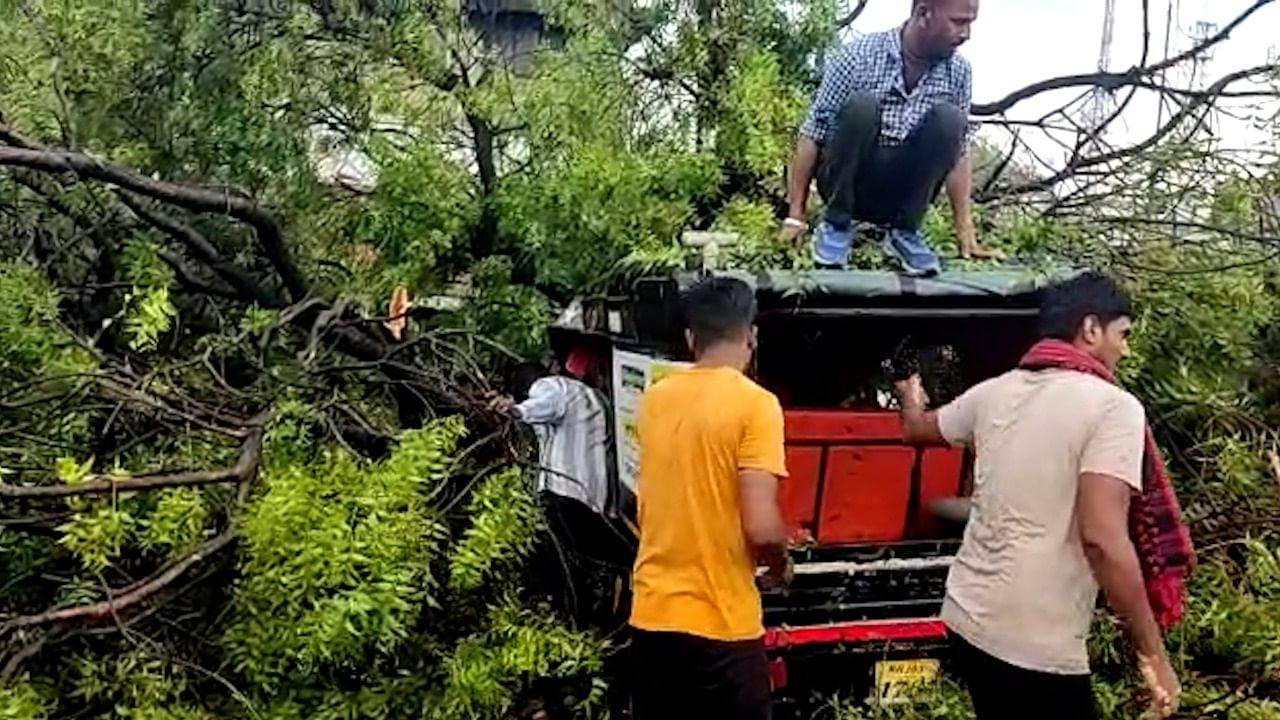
(888, 125)
(570, 420)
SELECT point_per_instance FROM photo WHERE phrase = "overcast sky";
(1017, 42)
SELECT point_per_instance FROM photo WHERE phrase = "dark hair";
(1065, 305)
(717, 310)
(522, 376)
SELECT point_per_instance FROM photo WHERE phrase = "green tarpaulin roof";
(995, 283)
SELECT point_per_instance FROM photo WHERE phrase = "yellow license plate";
(897, 679)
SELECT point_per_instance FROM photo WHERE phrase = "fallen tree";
(229, 490)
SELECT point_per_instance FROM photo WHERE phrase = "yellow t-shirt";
(695, 572)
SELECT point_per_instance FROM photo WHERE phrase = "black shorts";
(1001, 691)
(683, 677)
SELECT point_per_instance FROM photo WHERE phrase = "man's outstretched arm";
(1110, 472)
(833, 92)
(762, 523)
(1102, 511)
(960, 193)
(919, 424)
(547, 404)
(800, 177)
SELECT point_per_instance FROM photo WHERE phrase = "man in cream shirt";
(1058, 453)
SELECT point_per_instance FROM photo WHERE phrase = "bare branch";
(1210, 42)
(115, 389)
(30, 650)
(1110, 81)
(1103, 80)
(135, 594)
(852, 15)
(245, 467)
(1188, 111)
(189, 278)
(1267, 240)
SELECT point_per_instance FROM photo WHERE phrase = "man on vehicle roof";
(889, 123)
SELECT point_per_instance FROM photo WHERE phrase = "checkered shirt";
(873, 64)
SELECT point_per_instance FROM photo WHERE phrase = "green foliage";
(177, 523)
(1235, 613)
(32, 338)
(501, 317)
(761, 113)
(150, 314)
(1216, 700)
(137, 685)
(96, 536)
(517, 646)
(26, 557)
(758, 247)
(337, 558)
(1197, 333)
(610, 202)
(148, 310)
(505, 522)
(22, 702)
(422, 207)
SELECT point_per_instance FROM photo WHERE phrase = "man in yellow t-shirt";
(711, 455)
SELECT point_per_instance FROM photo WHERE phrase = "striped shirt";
(873, 64)
(569, 419)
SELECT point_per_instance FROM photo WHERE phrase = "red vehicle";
(872, 555)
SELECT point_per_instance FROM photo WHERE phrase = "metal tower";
(1101, 103)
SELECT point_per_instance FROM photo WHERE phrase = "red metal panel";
(777, 674)
(861, 631)
(865, 494)
(940, 470)
(842, 425)
(798, 493)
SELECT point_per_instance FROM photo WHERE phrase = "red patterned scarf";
(1155, 521)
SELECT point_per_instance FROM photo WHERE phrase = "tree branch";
(196, 199)
(245, 467)
(852, 15)
(1103, 80)
(1195, 103)
(1210, 42)
(137, 593)
(1110, 81)
(203, 250)
(189, 278)
(116, 390)
(30, 650)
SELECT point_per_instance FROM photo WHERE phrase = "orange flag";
(398, 312)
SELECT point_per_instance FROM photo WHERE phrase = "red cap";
(579, 362)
